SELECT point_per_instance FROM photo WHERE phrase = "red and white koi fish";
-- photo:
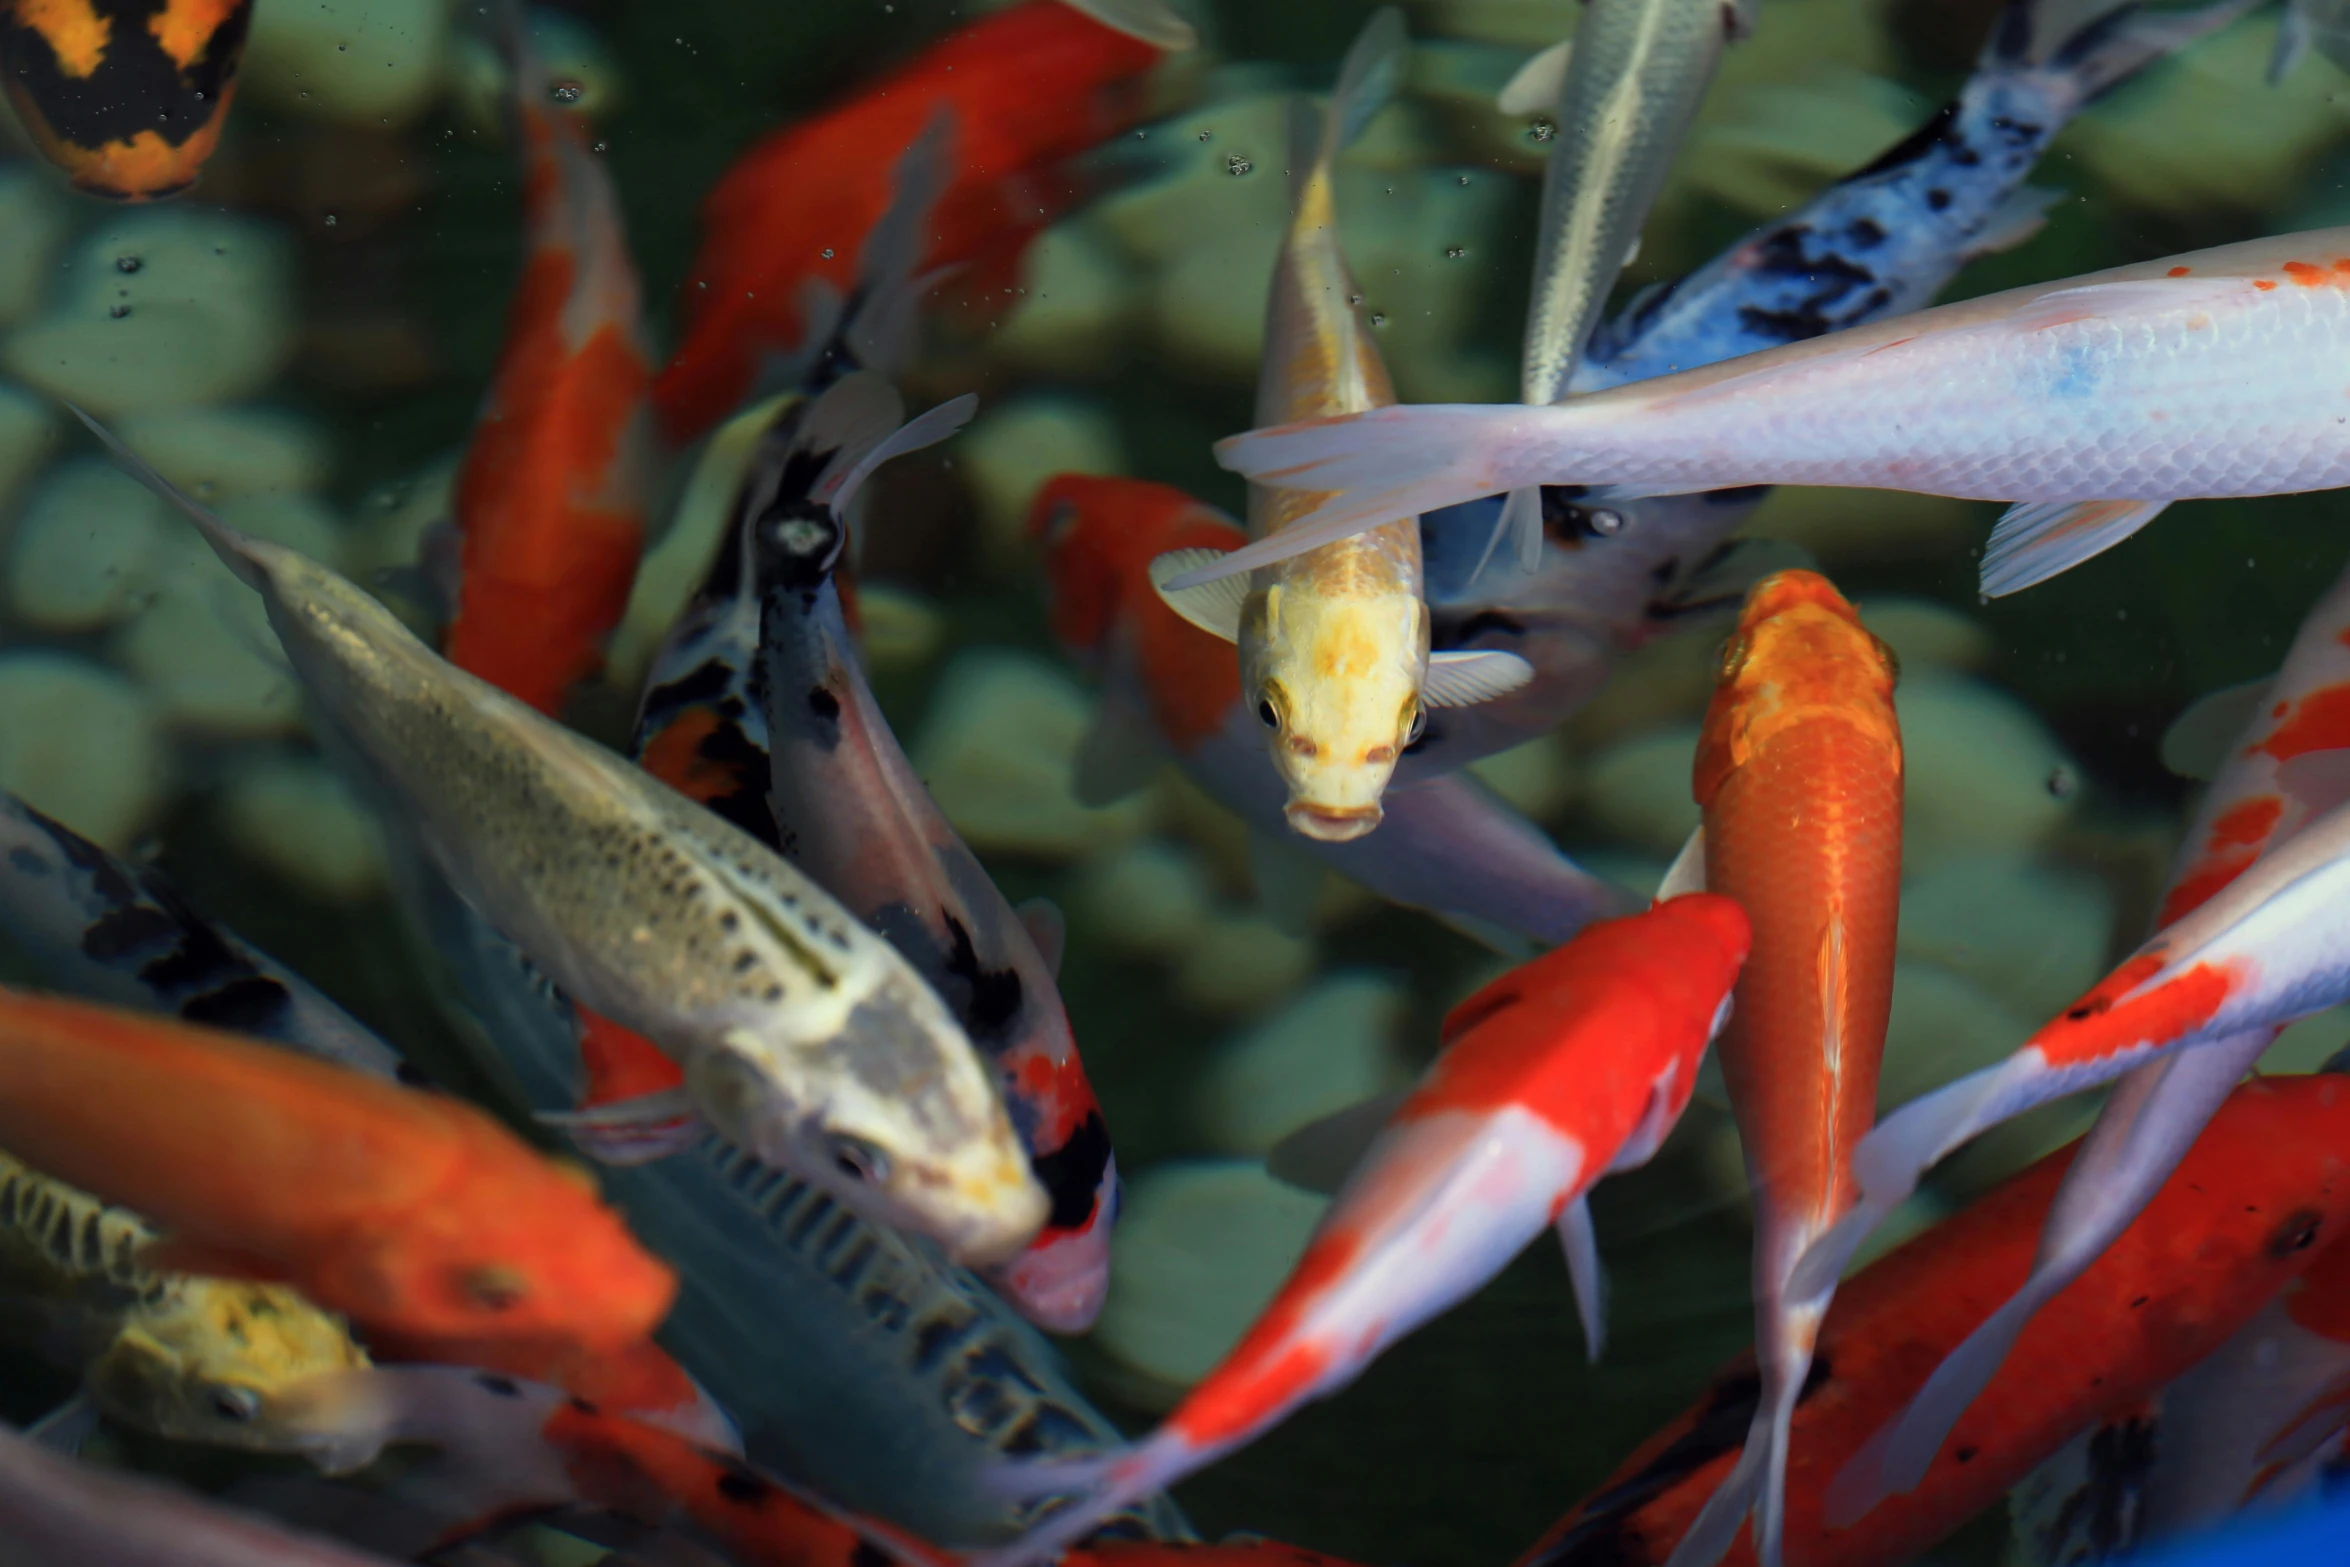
(550, 501)
(1799, 773)
(2257, 1200)
(2287, 766)
(1028, 87)
(1560, 1072)
(2093, 403)
(1172, 692)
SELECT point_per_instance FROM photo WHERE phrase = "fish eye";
(1272, 719)
(1733, 657)
(1891, 658)
(1417, 727)
(801, 537)
(858, 1159)
(236, 1405)
(493, 1288)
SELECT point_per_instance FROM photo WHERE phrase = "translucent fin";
(1585, 1273)
(924, 430)
(234, 549)
(1289, 881)
(1367, 79)
(1111, 1483)
(2023, 214)
(880, 331)
(1119, 755)
(67, 1429)
(2197, 743)
(2124, 39)
(1215, 606)
(630, 1131)
(2292, 42)
(2034, 542)
(1715, 1528)
(1539, 83)
(1322, 1155)
(1042, 919)
(1687, 872)
(1155, 22)
(1465, 678)
(1720, 583)
(1519, 522)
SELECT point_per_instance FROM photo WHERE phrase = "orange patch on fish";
(2319, 721)
(675, 755)
(73, 29)
(2103, 1024)
(1266, 1371)
(618, 1063)
(2248, 822)
(2263, 284)
(2198, 886)
(2304, 274)
(184, 28)
(2179, 271)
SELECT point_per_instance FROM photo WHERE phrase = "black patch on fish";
(1834, 280)
(728, 747)
(26, 863)
(1072, 1173)
(935, 1338)
(1600, 1536)
(250, 1005)
(122, 931)
(582, 1406)
(1966, 1454)
(700, 686)
(2298, 1232)
(1937, 200)
(411, 1075)
(824, 705)
(491, 1382)
(744, 1488)
(867, 1554)
(2106, 1512)
(993, 996)
(1941, 130)
(1463, 1020)
(136, 87)
(1866, 233)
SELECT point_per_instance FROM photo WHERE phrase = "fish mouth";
(1332, 823)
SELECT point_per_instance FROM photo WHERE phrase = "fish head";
(893, 1113)
(1334, 677)
(1799, 653)
(214, 1360)
(1099, 534)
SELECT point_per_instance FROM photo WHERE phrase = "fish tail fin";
(1392, 462)
(1715, 1528)
(1367, 80)
(1098, 1487)
(2115, 43)
(878, 332)
(2033, 542)
(237, 551)
(839, 485)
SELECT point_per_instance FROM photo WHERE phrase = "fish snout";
(1332, 823)
(1002, 1207)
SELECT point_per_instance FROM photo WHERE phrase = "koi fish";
(1334, 642)
(927, 1378)
(550, 499)
(126, 97)
(2158, 1109)
(1028, 88)
(803, 1036)
(1562, 1071)
(104, 929)
(2091, 403)
(189, 1358)
(418, 1217)
(1172, 692)
(1799, 774)
(1613, 573)
(2322, 23)
(2257, 1200)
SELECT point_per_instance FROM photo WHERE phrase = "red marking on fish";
(2179, 271)
(2320, 721)
(2263, 284)
(2103, 1023)
(2306, 275)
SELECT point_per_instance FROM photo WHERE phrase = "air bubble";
(118, 311)
(1541, 131)
(566, 92)
(1236, 165)
(1607, 523)
(2063, 782)
(128, 263)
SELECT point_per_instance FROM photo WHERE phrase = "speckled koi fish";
(1615, 573)
(1172, 692)
(1799, 774)
(2257, 1200)
(2287, 766)
(1558, 1073)
(417, 1216)
(127, 97)
(550, 500)
(2092, 403)
(98, 927)
(175, 1354)
(1334, 642)
(1028, 87)
(803, 1036)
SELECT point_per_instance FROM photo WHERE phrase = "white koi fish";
(2093, 403)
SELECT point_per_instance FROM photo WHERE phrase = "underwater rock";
(296, 816)
(897, 629)
(80, 742)
(2310, 1043)
(1334, 1045)
(1923, 632)
(1772, 147)
(1943, 1026)
(1977, 765)
(1537, 777)
(28, 434)
(1074, 306)
(996, 746)
(223, 454)
(1638, 790)
(163, 308)
(1013, 448)
(361, 62)
(33, 224)
(1241, 963)
(1223, 192)
(85, 552)
(1843, 527)
(1420, 244)
(1199, 1250)
(1149, 897)
(1670, 678)
(2033, 935)
(1207, 306)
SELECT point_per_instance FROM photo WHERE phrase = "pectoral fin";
(1585, 1273)
(1320, 1155)
(2032, 543)
(1215, 606)
(2197, 743)
(1462, 679)
(1538, 84)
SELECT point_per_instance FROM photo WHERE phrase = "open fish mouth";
(1332, 823)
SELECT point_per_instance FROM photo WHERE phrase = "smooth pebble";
(1072, 314)
(86, 549)
(1976, 769)
(33, 223)
(1149, 897)
(1941, 1028)
(28, 434)
(224, 454)
(296, 816)
(2033, 935)
(1011, 450)
(898, 629)
(1638, 790)
(1925, 632)
(80, 743)
(1241, 963)
(1537, 777)
(1330, 1046)
(370, 63)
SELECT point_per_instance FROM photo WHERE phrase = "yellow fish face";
(1335, 677)
(207, 1361)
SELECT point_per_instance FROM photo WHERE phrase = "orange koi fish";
(1799, 775)
(419, 1218)
(1562, 1071)
(1028, 88)
(2283, 771)
(550, 501)
(126, 96)
(2255, 1203)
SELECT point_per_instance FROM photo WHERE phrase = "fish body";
(802, 1035)
(2204, 374)
(190, 1358)
(1562, 1070)
(127, 97)
(99, 927)
(550, 499)
(1172, 691)
(1028, 88)
(418, 1217)
(2257, 1200)
(1799, 774)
